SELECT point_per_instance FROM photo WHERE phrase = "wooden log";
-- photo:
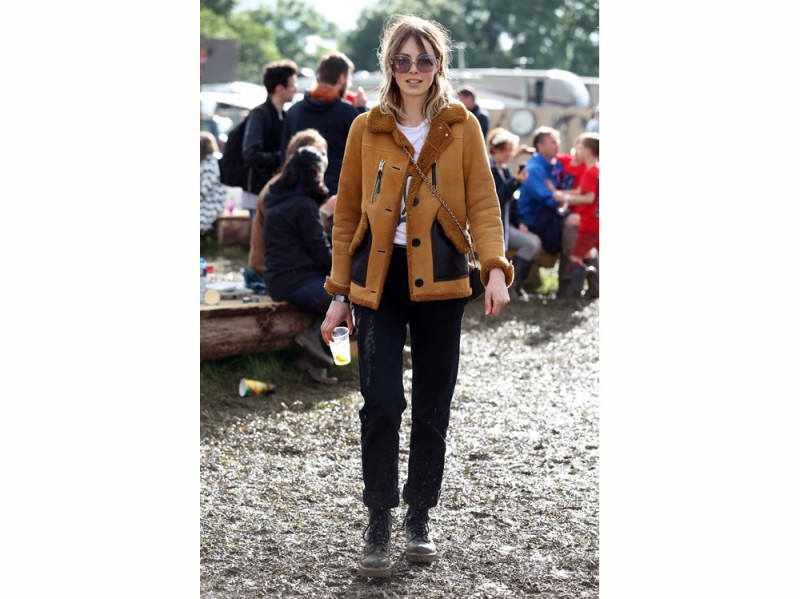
(233, 229)
(233, 327)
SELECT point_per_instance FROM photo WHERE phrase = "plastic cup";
(340, 346)
(251, 387)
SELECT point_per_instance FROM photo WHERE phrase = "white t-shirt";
(416, 135)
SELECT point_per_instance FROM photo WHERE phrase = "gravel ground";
(518, 515)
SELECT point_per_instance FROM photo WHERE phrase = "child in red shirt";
(586, 202)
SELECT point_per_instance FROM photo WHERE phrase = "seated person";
(546, 213)
(502, 146)
(297, 254)
(254, 273)
(212, 191)
(586, 201)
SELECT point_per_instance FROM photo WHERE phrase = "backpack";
(232, 170)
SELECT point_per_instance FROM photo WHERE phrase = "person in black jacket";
(297, 255)
(263, 133)
(466, 94)
(325, 109)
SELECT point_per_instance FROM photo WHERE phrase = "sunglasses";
(426, 63)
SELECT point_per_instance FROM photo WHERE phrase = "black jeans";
(435, 345)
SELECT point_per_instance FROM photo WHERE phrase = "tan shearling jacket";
(370, 200)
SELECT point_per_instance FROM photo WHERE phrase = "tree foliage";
(539, 34)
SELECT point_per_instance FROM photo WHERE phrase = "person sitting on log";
(297, 254)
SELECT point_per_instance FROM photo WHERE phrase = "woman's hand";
(496, 295)
(338, 312)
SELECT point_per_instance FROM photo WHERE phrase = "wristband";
(340, 298)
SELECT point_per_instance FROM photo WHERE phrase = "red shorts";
(584, 242)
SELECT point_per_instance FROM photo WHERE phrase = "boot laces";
(377, 531)
(417, 523)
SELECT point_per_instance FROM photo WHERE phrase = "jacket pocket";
(448, 262)
(360, 261)
(376, 189)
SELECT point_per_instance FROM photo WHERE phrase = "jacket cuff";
(334, 288)
(499, 262)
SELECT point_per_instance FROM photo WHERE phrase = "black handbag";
(475, 282)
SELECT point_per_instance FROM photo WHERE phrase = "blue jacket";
(534, 194)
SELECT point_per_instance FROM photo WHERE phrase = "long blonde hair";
(396, 31)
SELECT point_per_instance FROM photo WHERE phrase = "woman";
(502, 145)
(297, 255)
(212, 192)
(400, 258)
(254, 273)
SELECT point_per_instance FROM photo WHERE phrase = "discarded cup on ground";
(340, 346)
(251, 387)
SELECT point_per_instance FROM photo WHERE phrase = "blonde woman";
(400, 258)
(502, 147)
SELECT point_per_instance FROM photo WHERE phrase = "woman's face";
(415, 83)
(502, 154)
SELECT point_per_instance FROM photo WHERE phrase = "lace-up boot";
(419, 547)
(375, 560)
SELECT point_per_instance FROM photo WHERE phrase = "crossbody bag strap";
(443, 203)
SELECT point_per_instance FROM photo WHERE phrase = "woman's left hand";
(496, 295)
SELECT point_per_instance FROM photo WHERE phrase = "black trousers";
(435, 345)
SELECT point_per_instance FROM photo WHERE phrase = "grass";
(209, 249)
(549, 285)
(220, 378)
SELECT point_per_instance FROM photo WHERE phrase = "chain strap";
(443, 203)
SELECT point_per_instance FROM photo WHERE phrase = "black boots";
(375, 560)
(593, 278)
(578, 275)
(564, 262)
(419, 547)
(521, 269)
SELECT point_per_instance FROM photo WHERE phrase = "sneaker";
(315, 372)
(419, 547)
(375, 560)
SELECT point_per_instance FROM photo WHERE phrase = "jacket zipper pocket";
(376, 190)
(433, 173)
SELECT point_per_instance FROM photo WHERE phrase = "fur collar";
(378, 122)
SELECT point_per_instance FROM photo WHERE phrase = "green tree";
(300, 31)
(497, 33)
(224, 8)
(257, 46)
(215, 26)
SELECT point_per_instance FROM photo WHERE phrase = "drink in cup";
(340, 346)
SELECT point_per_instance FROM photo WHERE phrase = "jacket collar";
(439, 136)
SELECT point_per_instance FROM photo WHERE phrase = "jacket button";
(418, 283)
(415, 202)
(415, 242)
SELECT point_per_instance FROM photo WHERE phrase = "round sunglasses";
(426, 63)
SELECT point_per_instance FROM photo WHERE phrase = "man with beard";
(325, 109)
